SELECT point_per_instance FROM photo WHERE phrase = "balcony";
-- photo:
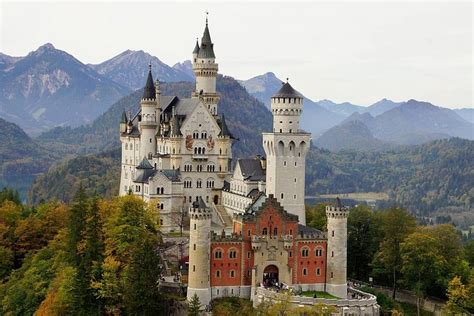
(200, 156)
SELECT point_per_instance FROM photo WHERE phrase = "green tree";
(316, 216)
(421, 264)
(363, 240)
(469, 252)
(397, 224)
(194, 306)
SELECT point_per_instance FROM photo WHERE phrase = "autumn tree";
(458, 296)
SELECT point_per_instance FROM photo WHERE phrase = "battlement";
(200, 213)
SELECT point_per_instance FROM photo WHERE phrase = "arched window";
(218, 273)
(305, 252)
(232, 274)
(319, 252)
(232, 253)
(218, 254)
(275, 231)
(265, 231)
(305, 271)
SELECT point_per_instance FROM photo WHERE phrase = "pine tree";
(194, 305)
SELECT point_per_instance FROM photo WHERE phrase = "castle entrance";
(270, 276)
(216, 199)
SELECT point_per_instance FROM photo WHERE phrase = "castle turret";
(336, 275)
(286, 149)
(199, 252)
(148, 122)
(123, 122)
(205, 69)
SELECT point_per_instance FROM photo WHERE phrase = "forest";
(99, 256)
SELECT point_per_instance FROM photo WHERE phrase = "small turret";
(149, 92)
(199, 252)
(336, 274)
(148, 122)
(123, 123)
(196, 50)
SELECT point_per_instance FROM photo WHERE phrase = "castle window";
(305, 252)
(284, 163)
(194, 226)
(218, 273)
(218, 254)
(290, 254)
(161, 206)
(295, 163)
(161, 222)
(248, 254)
(305, 271)
(280, 130)
(332, 275)
(194, 268)
(232, 273)
(294, 196)
(281, 196)
(275, 231)
(318, 271)
(232, 254)
(332, 253)
(265, 231)
(332, 233)
(194, 246)
(319, 252)
(248, 232)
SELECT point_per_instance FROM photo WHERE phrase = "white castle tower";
(199, 252)
(148, 123)
(336, 283)
(286, 149)
(205, 69)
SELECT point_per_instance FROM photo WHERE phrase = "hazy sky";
(343, 51)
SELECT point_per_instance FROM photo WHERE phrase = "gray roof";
(224, 129)
(143, 175)
(144, 164)
(123, 119)
(196, 48)
(149, 91)
(251, 169)
(287, 91)
(309, 231)
(207, 48)
(172, 174)
(199, 203)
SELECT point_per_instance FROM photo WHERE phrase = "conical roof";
(224, 129)
(287, 91)
(124, 117)
(196, 48)
(149, 91)
(207, 48)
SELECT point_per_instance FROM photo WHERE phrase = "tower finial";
(287, 79)
(207, 15)
(149, 65)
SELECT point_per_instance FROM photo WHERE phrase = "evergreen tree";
(194, 306)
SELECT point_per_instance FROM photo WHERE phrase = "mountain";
(410, 123)
(381, 106)
(350, 135)
(414, 122)
(315, 118)
(49, 88)
(239, 108)
(130, 69)
(466, 113)
(20, 157)
(344, 109)
(185, 67)
(7, 61)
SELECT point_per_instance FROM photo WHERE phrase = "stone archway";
(270, 276)
(216, 199)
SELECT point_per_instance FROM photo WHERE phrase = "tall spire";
(149, 91)
(207, 47)
(196, 48)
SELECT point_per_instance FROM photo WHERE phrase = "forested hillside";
(422, 178)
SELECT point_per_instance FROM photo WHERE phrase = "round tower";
(205, 69)
(199, 252)
(148, 122)
(336, 273)
(286, 148)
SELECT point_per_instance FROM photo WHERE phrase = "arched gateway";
(270, 276)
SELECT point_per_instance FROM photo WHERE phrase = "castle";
(247, 225)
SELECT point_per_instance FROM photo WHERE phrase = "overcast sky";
(352, 51)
